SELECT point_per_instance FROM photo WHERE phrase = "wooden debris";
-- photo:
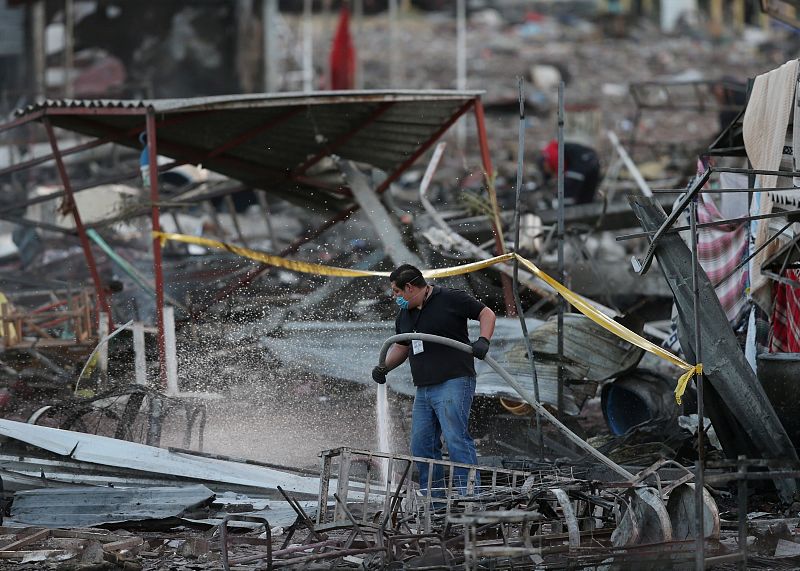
(123, 544)
(27, 540)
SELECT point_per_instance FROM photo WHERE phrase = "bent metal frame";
(121, 122)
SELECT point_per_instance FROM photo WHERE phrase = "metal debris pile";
(526, 516)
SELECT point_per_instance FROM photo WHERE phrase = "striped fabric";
(720, 249)
(785, 335)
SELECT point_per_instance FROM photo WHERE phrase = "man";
(581, 170)
(444, 377)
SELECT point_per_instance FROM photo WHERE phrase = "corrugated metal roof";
(88, 506)
(112, 452)
(282, 131)
(254, 100)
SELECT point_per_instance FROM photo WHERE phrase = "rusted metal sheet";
(276, 138)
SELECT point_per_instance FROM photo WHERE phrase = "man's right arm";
(394, 358)
(396, 355)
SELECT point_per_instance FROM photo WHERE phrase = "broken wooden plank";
(121, 545)
(23, 554)
(27, 540)
(103, 537)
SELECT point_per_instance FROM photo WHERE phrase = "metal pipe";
(73, 208)
(629, 164)
(308, 46)
(699, 484)
(752, 255)
(486, 159)
(261, 197)
(156, 224)
(784, 214)
(515, 276)
(782, 174)
(269, 16)
(69, 48)
(560, 235)
(724, 190)
(461, 64)
(38, 39)
(742, 509)
(394, 52)
(512, 382)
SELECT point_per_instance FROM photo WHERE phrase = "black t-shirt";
(445, 313)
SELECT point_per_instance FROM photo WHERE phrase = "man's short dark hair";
(407, 274)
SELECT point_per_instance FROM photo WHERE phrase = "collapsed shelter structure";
(181, 249)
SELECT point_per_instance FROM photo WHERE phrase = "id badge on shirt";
(416, 346)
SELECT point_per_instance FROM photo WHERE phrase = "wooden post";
(102, 355)
(140, 358)
(172, 356)
(87, 314)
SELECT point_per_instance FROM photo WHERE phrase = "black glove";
(379, 374)
(480, 348)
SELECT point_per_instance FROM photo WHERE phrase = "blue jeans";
(443, 410)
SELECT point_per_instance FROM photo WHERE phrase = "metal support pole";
(69, 47)
(517, 300)
(560, 235)
(102, 354)
(742, 515)
(261, 196)
(358, 17)
(38, 48)
(154, 428)
(461, 63)
(156, 223)
(139, 355)
(699, 475)
(269, 16)
(500, 248)
(71, 206)
(394, 55)
(308, 46)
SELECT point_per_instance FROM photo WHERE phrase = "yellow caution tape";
(684, 380)
(278, 261)
(578, 302)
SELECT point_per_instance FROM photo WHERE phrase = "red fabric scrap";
(785, 334)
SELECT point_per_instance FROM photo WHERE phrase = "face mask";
(401, 301)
